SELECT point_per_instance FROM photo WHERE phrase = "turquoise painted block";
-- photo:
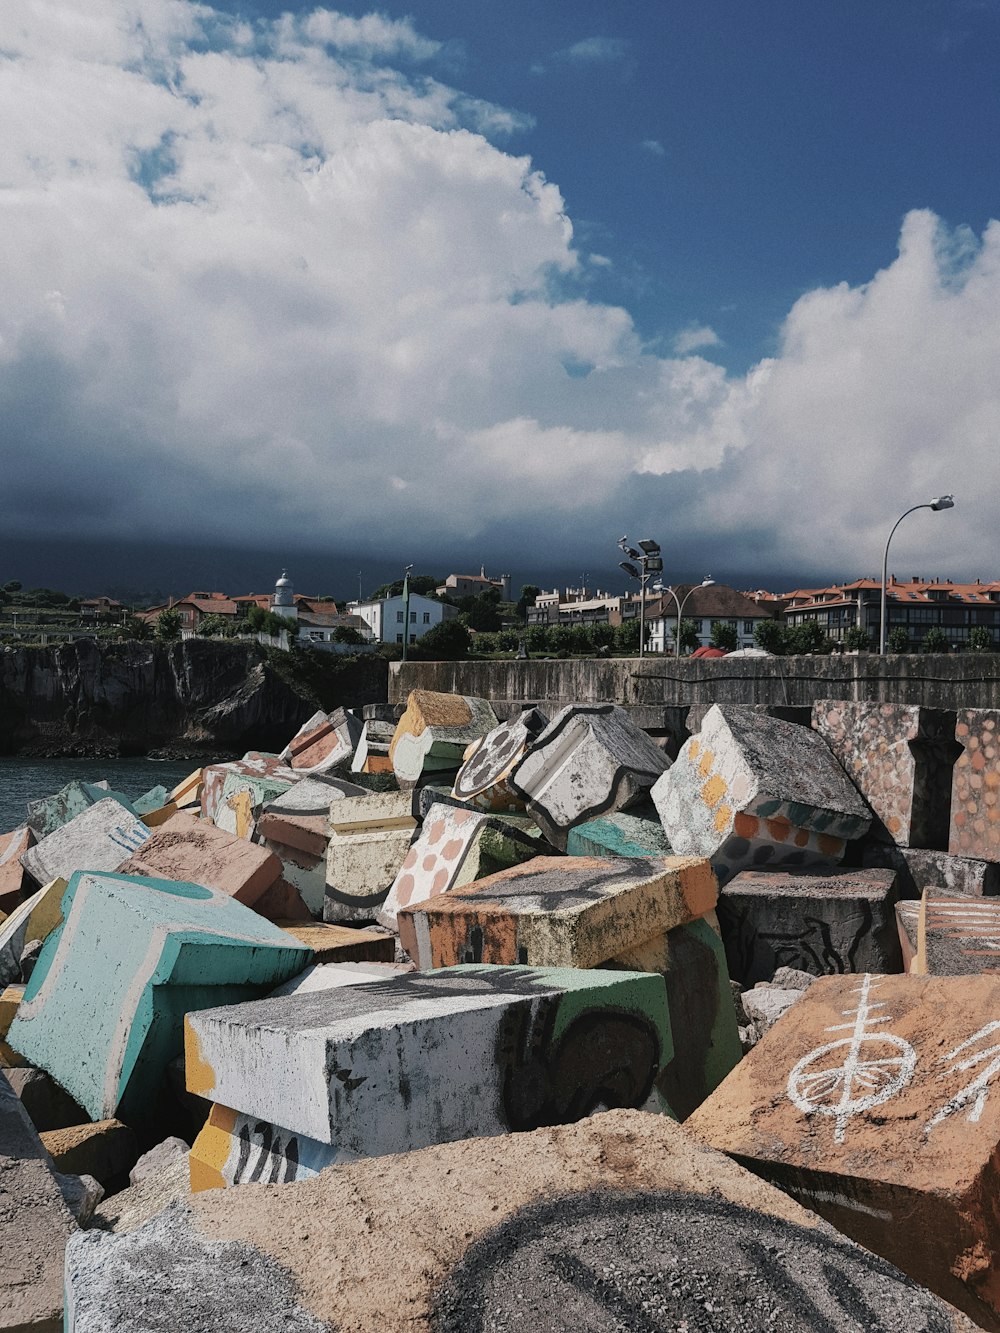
(52, 812)
(618, 835)
(103, 1011)
(154, 799)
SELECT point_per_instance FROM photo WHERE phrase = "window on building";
(413, 638)
(399, 620)
(748, 627)
(427, 617)
(399, 638)
(413, 617)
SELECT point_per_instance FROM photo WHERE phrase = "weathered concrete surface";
(950, 936)
(105, 1025)
(371, 754)
(587, 762)
(435, 731)
(10, 998)
(618, 834)
(341, 944)
(456, 847)
(12, 878)
(328, 976)
(266, 778)
(144, 1199)
(34, 1225)
(872, 1100)
(559, 911)
(188, 792)
(918, 870)
(692, 962)
(975, 793)
(52, 812)
(282, 902)
(35, 919)
(312, 797)
(106, 1150)
(751, 791)
(425, 1058)
(48, 1105)
(98, 839)
(194, 851)
(369, 838)
(818, 920)
(635, 1225)
(296, 829)
(483, 780)
(900, 757)
(323, 742)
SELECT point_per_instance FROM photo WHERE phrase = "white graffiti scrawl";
(977, 1091)
(853, 1074)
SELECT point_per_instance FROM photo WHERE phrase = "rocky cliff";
(195, 697)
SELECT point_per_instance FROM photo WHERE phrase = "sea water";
(24, 780)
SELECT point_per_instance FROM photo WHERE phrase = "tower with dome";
(283, 602)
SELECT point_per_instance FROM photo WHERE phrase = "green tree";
(134, 628)
(448, 642)
(214, 627)
(805, 638)
(168, 625)
(689, 635)
(856, 639)
(485, 642)
(935, 641)
(897, 640)
(602, 636)
(627, 636)
(483, 612)
(770, 635)
(724, 636)
(12, 585)
(980, 640)
(537, 638)
(347, 634)
(560, 639)
(529, 591)
(424, 584)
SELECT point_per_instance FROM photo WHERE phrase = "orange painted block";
(975, 786)
(874, 1101)
(12, 880)
(194, 851)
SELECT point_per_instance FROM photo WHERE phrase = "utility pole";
(406, 609)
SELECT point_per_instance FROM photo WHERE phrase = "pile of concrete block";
(761, 977)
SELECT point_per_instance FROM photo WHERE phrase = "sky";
(462, 283)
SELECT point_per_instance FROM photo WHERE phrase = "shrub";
(724, 636)
(857, 639)
(935, 641)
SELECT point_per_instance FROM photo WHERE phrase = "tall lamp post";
(406, 608)
(939, 502)
(706, 582)
(649, 562)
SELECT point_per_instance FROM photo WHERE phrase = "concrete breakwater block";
(900, 757)
(751, 791)
(815, 919)
(341, 944)
(918, 869)
(10, 998)
(590, 759)
(188, 791)
(429, 1057)
(324, 742)
(51, 812)
(33, 920)
(295, 827)
(13, 882)
(434, 732)
(105, 1022)
(975, 791)
(559, 911)
(328, 976)
(692, 962)
(311, 798)
(99, 838)
(194, 851)
(35, 1224)
(106, 1151)
(949, 936)
(873, 1100)
(371, 754)
(619, 1221)
(484, 778)
(265, 779)
(619, 834)
(369, 838)
(455, 847)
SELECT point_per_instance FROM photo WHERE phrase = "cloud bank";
(280, 282)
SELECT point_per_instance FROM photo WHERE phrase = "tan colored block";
(193, 851)
(188, 792)
(106, 1150)
(341, 944)
(10, 998)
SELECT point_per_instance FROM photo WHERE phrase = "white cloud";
(595, 51)
(254, 281)
(695, 336)
(653, 146)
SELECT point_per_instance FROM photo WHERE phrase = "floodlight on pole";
(648, 561)
(939, 502)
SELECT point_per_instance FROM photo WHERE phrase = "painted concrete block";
(900, 757)
(590, 760)
(324, 742)
(52, 812)
(98, 839)
(873, 1101)
(426, 1058)
(105, 1024)
(10, 998)
(818, 920)
(341, 944)
(243, 797)
(751, 791)
(455, 847)
(35, 919)
(312, 797)
(35, 1225)
(425, 797)
(948, 936)
(194, 851)
(12, 877)
(106, 1150)
(282, 902)
(295, 828)
(975, 791)
(435, 731)
(619, 834)
(329, 976)
(559, 911)
(48, 1105)
(619, 1221)
(188, 791)
(483, 780)
(371, 755)
(369, 838)
(918, 869)
(151, 800)
(270, 779)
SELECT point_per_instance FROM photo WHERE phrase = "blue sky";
(467, 282)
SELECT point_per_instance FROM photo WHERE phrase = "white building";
(385, 617)
(283, 601)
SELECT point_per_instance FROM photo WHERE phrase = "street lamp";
(406, 608)
(649, 562)
(939, 502)
(706, 582)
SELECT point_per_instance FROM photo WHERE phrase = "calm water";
(23, 780)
